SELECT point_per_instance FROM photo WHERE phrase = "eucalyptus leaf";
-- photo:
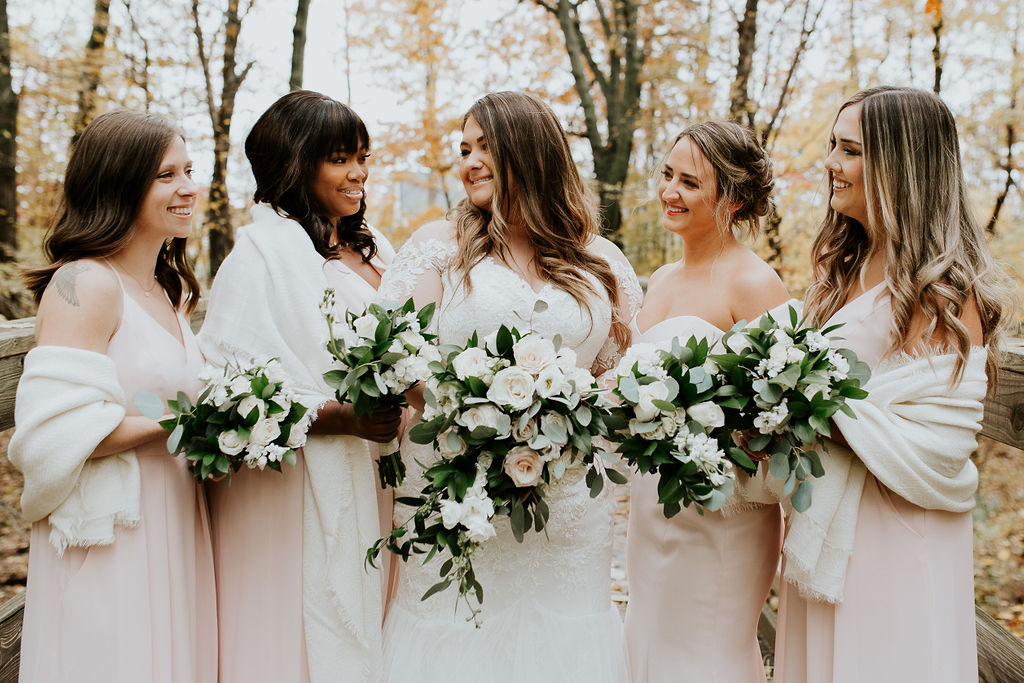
(778, 465)
(149, 404)
(801, 499)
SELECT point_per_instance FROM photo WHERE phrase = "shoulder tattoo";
(64, 280)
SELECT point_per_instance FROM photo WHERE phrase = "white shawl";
(265, 303)
(915, 435)
(68, 401)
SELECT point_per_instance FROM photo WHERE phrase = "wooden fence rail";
(1000, 653)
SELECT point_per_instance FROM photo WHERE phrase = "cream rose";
(526, 432)
(523, 466)
(645, 409)
(366, 326)
(709, 414)
(264, 432)
(481, 415)
(533, 353)
(230, 443)
(471, 363)
(250, 403)
(512, 387)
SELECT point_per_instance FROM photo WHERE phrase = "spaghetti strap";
(117, 275)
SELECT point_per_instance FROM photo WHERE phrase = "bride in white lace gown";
(547, 613)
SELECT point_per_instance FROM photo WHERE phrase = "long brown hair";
(920, 216)
(530, 152)
(112, 166)
(286, 148)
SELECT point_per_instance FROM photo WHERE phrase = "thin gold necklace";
(145, 292)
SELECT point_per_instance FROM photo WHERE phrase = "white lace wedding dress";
(547, 612)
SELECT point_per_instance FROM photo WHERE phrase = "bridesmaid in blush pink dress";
(697, 582)
(901, 262)
(294, 599)
(142, 606)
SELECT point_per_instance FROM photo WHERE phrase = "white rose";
(230, 443)
(709, 414)
(816, 341)
(711, 367)
(472, 362)
(533, 353)
(284, 402)
(240, 385)
(450, 444)
(512, 387)
(218, 396)
(429, 353)
(250, 403)
(297, 435)
(550, 381)
(451, 513)
(366, 326)
(555, 427)
(794, 355)
(737, 343)
(275, 373)
(481, 415)
(645, 409)
(566, 359)
(264, 432)
(411, 339)
(523, 466)
(476, 516)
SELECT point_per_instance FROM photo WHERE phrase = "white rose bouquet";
(788, 382)
(379, 354)
(670, 419)
(245, 415)
(511, 416)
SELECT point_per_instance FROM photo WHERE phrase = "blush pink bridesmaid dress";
(696, 582)
(143, 608)
(908, 608)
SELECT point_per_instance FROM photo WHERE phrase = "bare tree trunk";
(92, 67)
(8, 145)
(620, 88)
(739, 98)
(299, 44)
(218, 209)
(934, 7)
(805, 35)
(141, 76)
(1011, 137)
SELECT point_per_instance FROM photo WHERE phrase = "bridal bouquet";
(797, 380)
(245, 415)
(671, 419)
(511, 416)
(379, 353)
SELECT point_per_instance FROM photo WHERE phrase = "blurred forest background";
(624, 76)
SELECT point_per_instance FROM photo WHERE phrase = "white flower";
(473, 362)
(218, 395)
(284, 401)
(782, 337)
(551, 453)
(809, 390)
(255, 457)
(230, 443)
(711, 367)
(533, 353)
(264, 432)
(512, 387)
(550, 381)
(840, 366)
(737, 342)
(481, 415)
(250, 403)
(556, 427)
(240, 385)
(816, 341)
(412, 339)
(429, 353)
(708, 414)
(274, 452)
(477, 511)
(656, 434)
(451, 513)
(769, 421)
(348, 336)
(523, 466)
(645, 409)
(366, 326)
(566, 359)
(297, 435)
(794, 355)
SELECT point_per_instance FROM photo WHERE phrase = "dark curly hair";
(112, 166)
(743, 173)
(286, 147)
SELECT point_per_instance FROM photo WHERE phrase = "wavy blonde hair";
(918, 210)
(535, 180)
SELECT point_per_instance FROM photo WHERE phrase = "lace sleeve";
(416, 272)
(630, 296)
